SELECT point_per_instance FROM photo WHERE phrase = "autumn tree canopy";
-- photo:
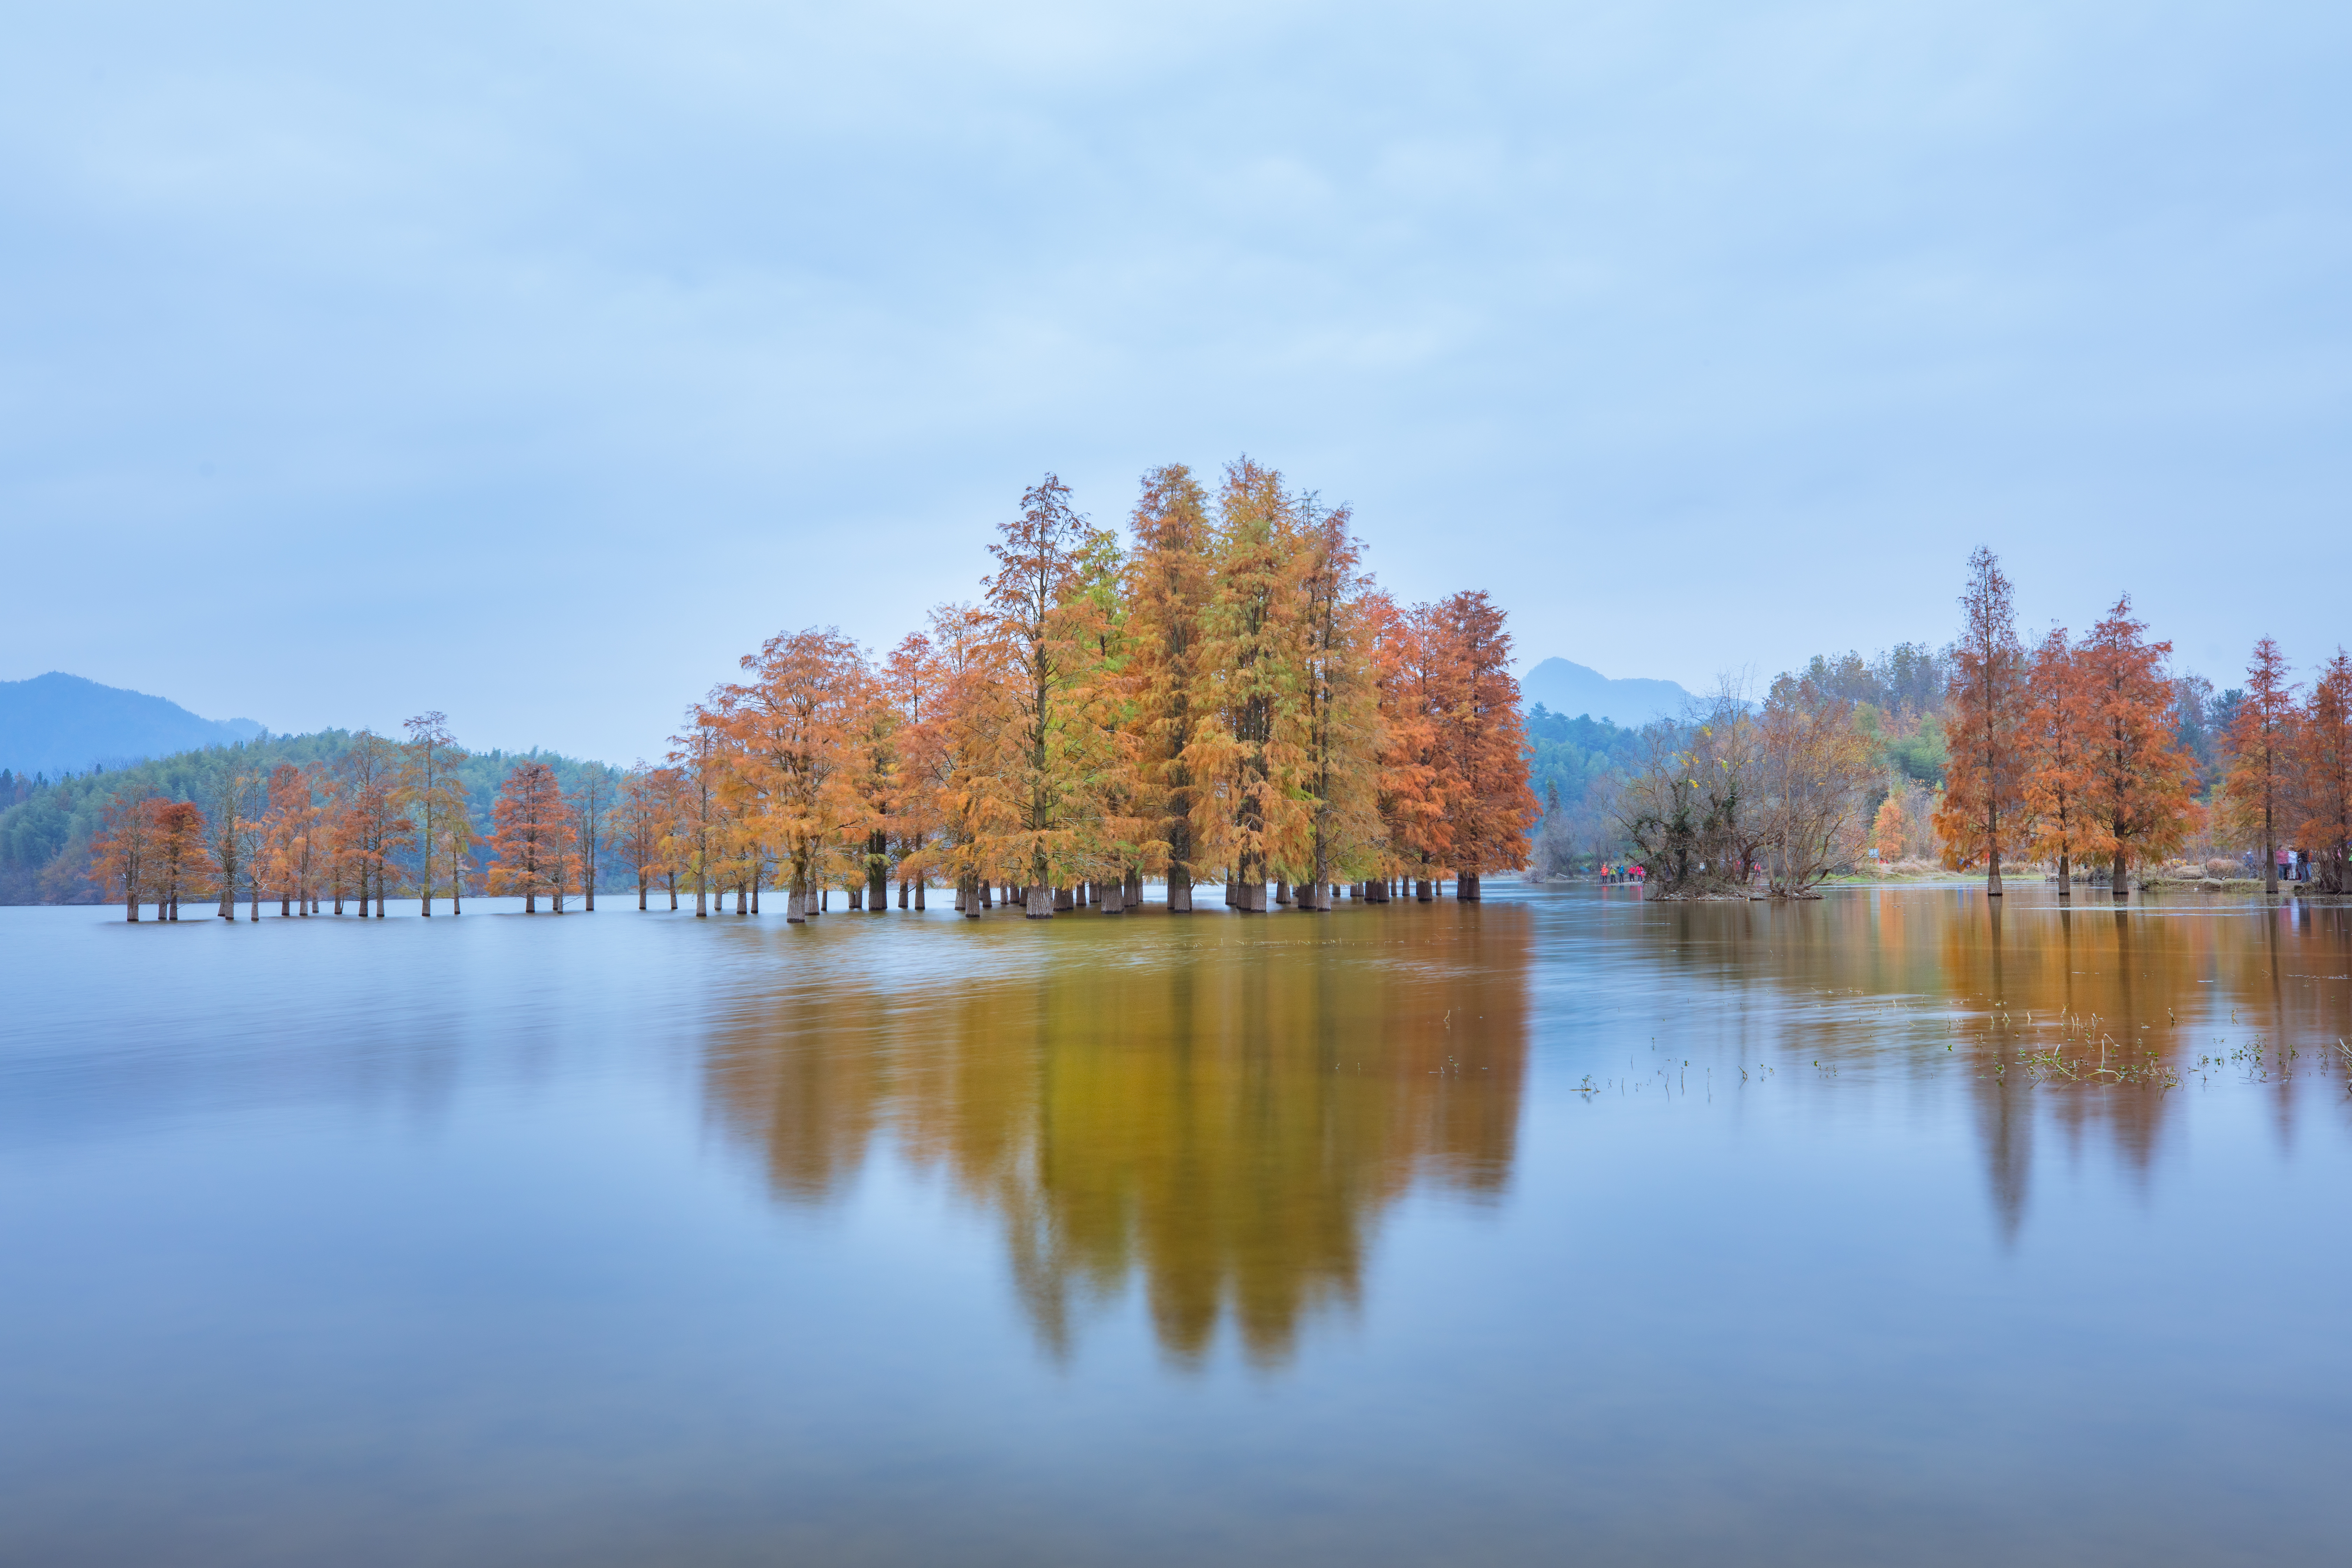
(1223, 693)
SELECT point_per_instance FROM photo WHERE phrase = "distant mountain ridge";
(1573, 690)
(57, 724)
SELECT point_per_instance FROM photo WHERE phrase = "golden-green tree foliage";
(1167, 590)
(1249, 814)
(1051, 749)
(1341, 706)
(695, 842)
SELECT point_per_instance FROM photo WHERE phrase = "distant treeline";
(46, 827)
(1898, 700)
(2074, 754)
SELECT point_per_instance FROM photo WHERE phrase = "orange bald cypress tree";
(1410, 807)
(1422, 772)
(1982, 814)
(1488, 804)
(533, 836)
(374, 825)
(798, 761)
(122, 855)
(2056, 741)
(2142, 790)
(292, 833)
(2261, 741)
(2323, 775)
(914, 678)
(638, 824)
(179, 853)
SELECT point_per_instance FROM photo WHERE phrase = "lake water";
(1565, 1228)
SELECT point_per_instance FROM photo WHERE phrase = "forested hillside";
(45, 826)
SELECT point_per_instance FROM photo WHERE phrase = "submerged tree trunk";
(1041, 902)
(2065, 878)
(1179, 890)
(1465, 888)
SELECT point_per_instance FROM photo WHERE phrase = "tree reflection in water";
(1221, 1107)
(1947, 985)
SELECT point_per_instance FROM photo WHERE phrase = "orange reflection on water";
(1219, 1108)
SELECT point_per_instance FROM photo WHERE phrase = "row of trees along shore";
(379, 818)
(2071, 754)
(2068, 751)
(1226, 695)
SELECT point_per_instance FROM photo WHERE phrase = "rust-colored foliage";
(1488, 806)
(2140, 787)
(2323, 775)
(121, 855)
(2056, 741)
(530, 848)
(294, 840)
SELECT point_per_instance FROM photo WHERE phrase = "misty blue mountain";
(57, 724)
(1570, 690)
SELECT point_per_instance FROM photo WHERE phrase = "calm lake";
(1559, 1229)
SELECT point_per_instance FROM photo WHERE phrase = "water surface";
(1894, 1226)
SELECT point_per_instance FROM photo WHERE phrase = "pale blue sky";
(531, 361)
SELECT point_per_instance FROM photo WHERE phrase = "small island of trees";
(1223, 696)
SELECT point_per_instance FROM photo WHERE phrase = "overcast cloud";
(532, 362)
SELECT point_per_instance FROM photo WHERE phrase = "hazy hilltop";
(57, 724)
(1571, 689)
